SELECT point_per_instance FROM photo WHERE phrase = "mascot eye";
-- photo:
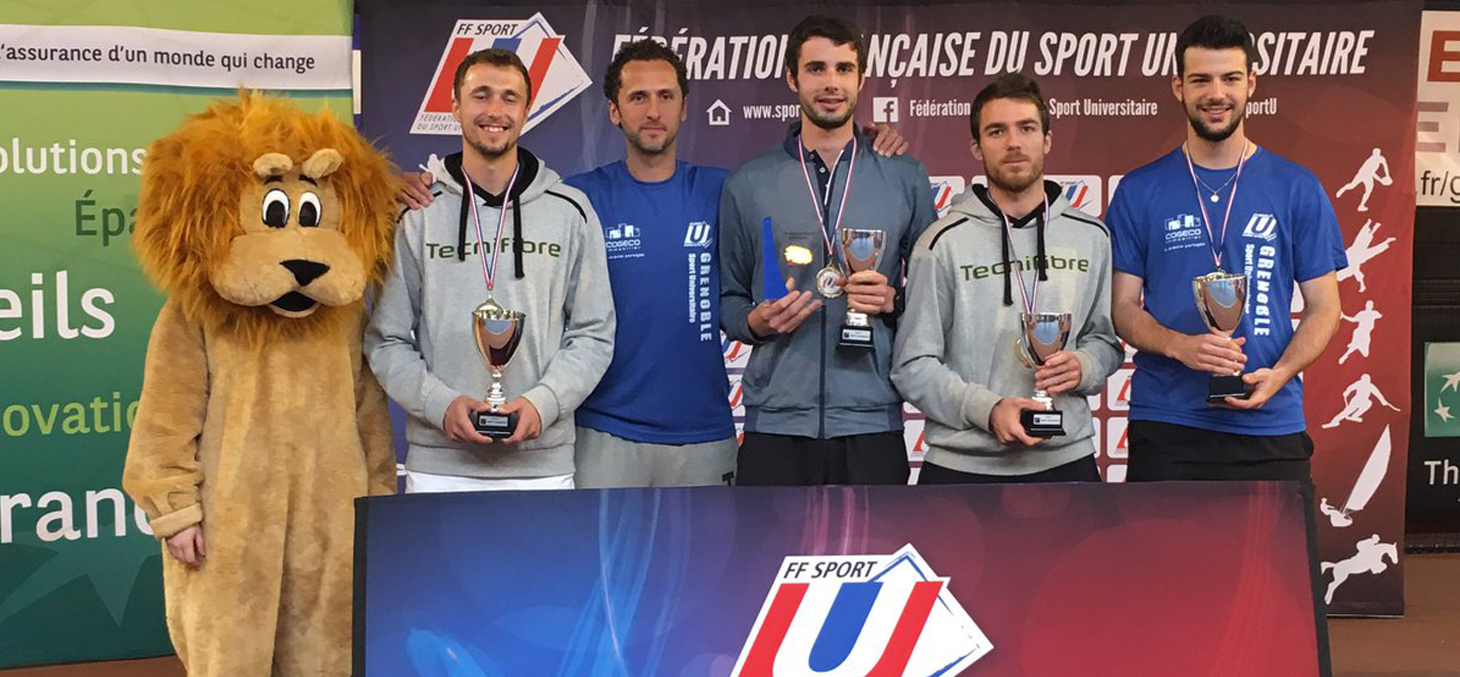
(276, 208)
(308, 210)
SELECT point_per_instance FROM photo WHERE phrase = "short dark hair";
(642, 50)
(1214, 31)
(836, 29)
(1009, 86)
(492, 56)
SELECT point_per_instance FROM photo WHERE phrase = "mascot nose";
(305, 271)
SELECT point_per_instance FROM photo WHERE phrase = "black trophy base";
(494, 424)
(856, 337)
(1042, 423)
(1219, 388)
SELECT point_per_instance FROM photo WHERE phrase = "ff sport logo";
(556, 76)
(860, 616)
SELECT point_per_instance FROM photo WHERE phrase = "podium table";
(1178, 579)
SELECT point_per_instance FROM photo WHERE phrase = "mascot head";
(261, 218)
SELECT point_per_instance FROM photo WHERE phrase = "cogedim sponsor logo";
(556, 76)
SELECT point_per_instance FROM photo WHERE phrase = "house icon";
(719, 114)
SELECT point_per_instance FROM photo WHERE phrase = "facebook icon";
(884, 109)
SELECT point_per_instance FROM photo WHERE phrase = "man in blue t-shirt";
(660, 416)
(1220, 202)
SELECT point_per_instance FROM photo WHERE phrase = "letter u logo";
(847, 643)
(697, 235)
(1263, 226)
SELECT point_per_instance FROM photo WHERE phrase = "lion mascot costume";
(260, 422)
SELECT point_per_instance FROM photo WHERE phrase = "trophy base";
(856, 337)
(1219, 388)
(494, 424)
(1042, 423)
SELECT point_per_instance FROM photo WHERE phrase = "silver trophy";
(861, 250)
(498, 332)
(1221, 299)
(1041, 335)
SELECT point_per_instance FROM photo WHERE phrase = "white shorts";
(426, 483)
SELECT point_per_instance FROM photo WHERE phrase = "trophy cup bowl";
(1042, 335)
(497, 332)
(1221, 299)
(861, 249)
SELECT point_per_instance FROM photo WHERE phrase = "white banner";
(1437, 133)
(153, 56)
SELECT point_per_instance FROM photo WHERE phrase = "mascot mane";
(188, 212)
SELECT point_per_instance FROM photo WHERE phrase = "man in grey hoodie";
(452, 255)
(816, 411)
(956, 357)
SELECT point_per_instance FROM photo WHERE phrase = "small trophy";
(1221, 298)
(861, 250)
(498, 332)
(782, 257)
(1041, 336)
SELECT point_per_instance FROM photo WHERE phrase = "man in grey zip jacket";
(956, 357)
(549, 263)
(817, 412)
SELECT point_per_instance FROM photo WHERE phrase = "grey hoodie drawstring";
(461, 231)
(516, 235)
(1008, 290)
(1039, 260)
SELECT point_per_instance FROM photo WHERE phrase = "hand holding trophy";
(861, 249)
(1220, 299)
(784, 274)
(498, 332)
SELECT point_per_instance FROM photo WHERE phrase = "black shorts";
(787, 460)
(1079, 470)
(1166, 451)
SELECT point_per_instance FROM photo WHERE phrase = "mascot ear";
(272, 164)
(324, 162)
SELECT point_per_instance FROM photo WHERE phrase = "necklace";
(1212, 241)
(1214, 191)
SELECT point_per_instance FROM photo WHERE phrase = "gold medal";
(829, 282)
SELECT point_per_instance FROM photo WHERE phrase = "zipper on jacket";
(821, 395)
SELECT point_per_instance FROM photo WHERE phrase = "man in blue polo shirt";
(1220, 202)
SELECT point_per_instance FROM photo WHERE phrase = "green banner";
(80, 99)
(1442, 390)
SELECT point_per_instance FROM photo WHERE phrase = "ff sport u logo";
(556, 76)
(945, 188)
(860, 616)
